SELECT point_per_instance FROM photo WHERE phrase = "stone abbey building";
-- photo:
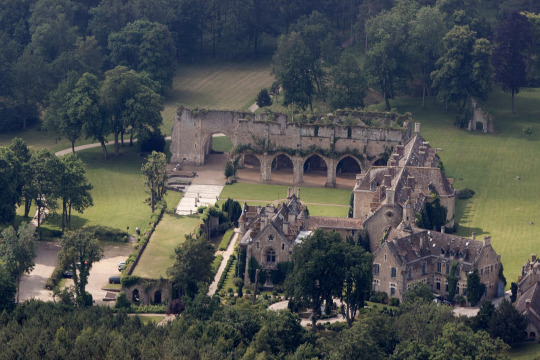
(386, 200)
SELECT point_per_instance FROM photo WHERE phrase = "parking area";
(106, 267)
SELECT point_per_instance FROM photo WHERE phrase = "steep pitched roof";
(533, 313)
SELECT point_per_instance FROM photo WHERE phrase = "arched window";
(135, 298)
(270, 256)
(157, 297)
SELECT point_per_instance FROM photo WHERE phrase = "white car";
(121, 265)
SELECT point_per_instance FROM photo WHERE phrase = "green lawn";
(326, 210)
(119, 193)
(169, 233)
(502, 207)
(525, 352)
(151, 319)
(216, 85)
(261, 192)
(173, 198)
(221, 143)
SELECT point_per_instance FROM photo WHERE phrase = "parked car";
(114, 280)
(121, 265)
(68, 274)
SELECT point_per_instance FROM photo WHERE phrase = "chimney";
(487, 240)
(298, 196)
(533, 258)
(288, 192)
(286, 228)
(417, 127)
(387, 180)
(382, 193)
(264, 219)
(390, 196)
(473, 235)
(292, 217)
(407, 192)
(443, 229)
(527, 304)
(421, 157)
(400, 149)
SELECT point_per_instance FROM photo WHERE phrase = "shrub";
(129, 280)
(175, 307)
(465, 194)
(121, 301)
(263, 98)
(337, 326)
(151, 141)
(527, 130)
(226, 239)
(379, 297)
(394, 302)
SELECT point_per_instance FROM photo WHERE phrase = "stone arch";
(380, 162)
(157, 297)
(314, 162)
(136, 296)
(348, 164)
(282, 167)
(206, 147)
(251, 166)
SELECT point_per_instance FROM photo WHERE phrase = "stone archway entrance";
(346, 170)
(282, 169)
(249, 167)
(315, 170)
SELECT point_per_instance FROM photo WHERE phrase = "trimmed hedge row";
(215, 265)
(226, 239)
(223, 277)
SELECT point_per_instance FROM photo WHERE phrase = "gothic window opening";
(270, 256)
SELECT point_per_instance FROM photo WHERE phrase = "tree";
(192, 266)
(348, 83)
(74, 188)
(10, 172)
(358, 279)
(45, 182)
(513, 289)
(507, 323)
(155, 173)
(426, 32)
(475, 289)
(291, 64)
(513, 38)
(452, 279)
(145, 46)
(464, 70)
(7, 289)
(17, 251)
(57, 118)
(418, 291)
(85, 105)
(233, 209)
(386, 57)
(318, 272)
(80, 250)
(23, 155)
(482, 319)
(263, 98)
(422, 321)
(121, 94)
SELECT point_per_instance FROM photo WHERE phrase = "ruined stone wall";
(192, 131)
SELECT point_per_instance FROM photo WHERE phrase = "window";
(481, 271)
(385, 257)
(394, 272)
(316, 130)
(282, 247)
(446, 287)
(464, 291)
(349, 132)
(439, 267)
(438, 286)
(424, 269)
(451, 252)
(409, 273)
(392, 291)
(457, 290)
(491, 268)
(257, 244)
(270, 237)
(271, 256)
(447, 269)
(442, 251)
(458, 270)
(376, 269)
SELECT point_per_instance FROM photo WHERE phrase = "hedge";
(226, 239)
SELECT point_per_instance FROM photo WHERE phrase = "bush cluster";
(223, 278)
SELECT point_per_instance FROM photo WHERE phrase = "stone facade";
(263, 136)
(411, 176)
(481, 121)
(149, 291)
(528, 297)
(408, 255)
(269, 233)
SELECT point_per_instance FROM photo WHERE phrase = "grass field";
(221, 143)
(169, 233)
(525, 352)
(151, 319)
(216, 85)
(502, 207)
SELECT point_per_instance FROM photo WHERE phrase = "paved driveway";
(33, 284)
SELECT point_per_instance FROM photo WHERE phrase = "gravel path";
(226, 255)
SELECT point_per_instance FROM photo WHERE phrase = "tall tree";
(464, 71)
(120, 88)
(74, 188)
(475, 288)
(192, 265)
(358, 279)
(80, 250)
(23, 155)
(513, 39)
(507, 323)
(155, 173)
(45, 181)
(349, 85)
(426, 32)
(10, 172)
(7, 289)
(318, 272)
(17, 251)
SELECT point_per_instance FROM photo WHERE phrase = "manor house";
(528, 296)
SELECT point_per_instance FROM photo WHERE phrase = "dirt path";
(226, 255)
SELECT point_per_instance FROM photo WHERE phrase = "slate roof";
(533, 313)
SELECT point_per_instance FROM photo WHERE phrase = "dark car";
(68, 274)
(114, 280)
